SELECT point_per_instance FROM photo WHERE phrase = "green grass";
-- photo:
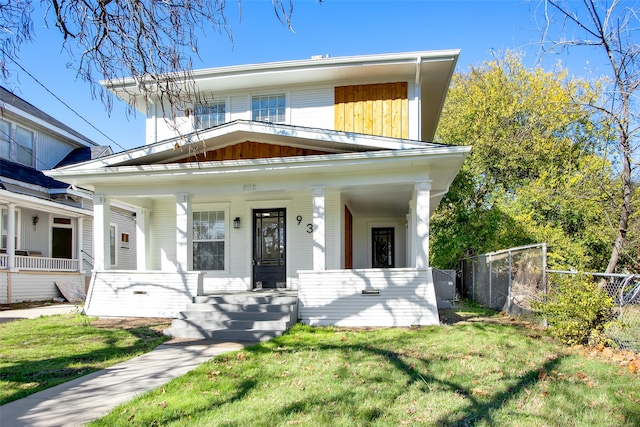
(468, 373)
(36, 354)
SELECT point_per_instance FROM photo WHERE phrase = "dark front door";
(61, 242)
(383, 255)
(269, 270)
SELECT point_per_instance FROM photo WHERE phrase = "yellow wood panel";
(374, 109)
(367, 109)
(339, 100)
(249, 150)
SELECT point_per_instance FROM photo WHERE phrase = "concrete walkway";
(34, 313)
(77, 402)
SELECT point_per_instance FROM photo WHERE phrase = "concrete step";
(255, 308)
(246, 298)
(280, 325)
(236, 315)
(251, 335)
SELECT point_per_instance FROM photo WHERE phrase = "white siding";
(87, 244)
(141, 293)
(50, 151)
(35, 286)
(334, 297)
(125, 223)
(332, 230)
(313, 107)
(162, 235)
(34, 237)
(239, 108)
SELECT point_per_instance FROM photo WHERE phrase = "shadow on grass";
(32, 376)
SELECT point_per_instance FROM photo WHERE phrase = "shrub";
(575, 309)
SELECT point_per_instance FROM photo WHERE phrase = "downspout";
(418, 96)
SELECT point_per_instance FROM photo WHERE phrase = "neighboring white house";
(50, 221)
(314, 176)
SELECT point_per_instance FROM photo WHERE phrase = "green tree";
(609, 29)
(536, 172)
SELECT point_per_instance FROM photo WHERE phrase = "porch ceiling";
(383, 200)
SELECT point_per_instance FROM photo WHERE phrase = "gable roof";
(11, 102)
(82, 154)
(430, 70)
(239, 131)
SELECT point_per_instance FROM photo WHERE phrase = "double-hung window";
(4, 227)
(210, 115)
(269, 108)
(209, 240)
(24, 146)
(5, 140)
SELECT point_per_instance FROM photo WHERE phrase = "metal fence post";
(509, 287)
(490, 280)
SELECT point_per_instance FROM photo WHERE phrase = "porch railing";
(40, 263)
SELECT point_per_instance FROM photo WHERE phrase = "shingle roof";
(82, 154)
(9, 98)
(28, 175)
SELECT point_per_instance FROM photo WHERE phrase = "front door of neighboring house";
(383, 250)
(269, 248)
(62, 243)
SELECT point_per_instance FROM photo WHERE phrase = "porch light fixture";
(35, 220)
(236, 222)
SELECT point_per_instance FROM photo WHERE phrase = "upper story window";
(269, 108)
(210, 115)
(16, 143)
(24, 147)
(5, 139)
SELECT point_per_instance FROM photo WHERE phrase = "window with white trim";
(5, 140)
(209, 240)
(4, 226)
(24, 146)
(210, 115)
(269, 108)
(112, 244)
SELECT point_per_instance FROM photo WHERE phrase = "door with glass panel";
(269, 249)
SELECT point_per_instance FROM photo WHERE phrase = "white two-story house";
(314, 176)
(47, 224)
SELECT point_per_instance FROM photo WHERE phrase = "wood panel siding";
(249, 150)
(373, 109)
(348, 238)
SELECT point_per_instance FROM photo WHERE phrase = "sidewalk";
(34, 313)
(77, 402)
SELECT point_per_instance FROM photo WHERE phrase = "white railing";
(40, 263)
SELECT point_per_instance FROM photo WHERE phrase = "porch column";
(183, 231)
(11, 236)
(142, 230)
(101, 234)
(319, 244)
(79, 243)
(422, 196)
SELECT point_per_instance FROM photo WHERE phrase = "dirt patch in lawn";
(157, 324)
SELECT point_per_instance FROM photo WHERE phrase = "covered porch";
(48, 246)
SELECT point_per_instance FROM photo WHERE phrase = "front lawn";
(487, 373)
(36, 354)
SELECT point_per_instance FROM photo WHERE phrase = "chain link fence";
(623, 328)
(512, 279)
(508, 280)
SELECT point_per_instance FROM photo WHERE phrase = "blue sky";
(335, 27)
